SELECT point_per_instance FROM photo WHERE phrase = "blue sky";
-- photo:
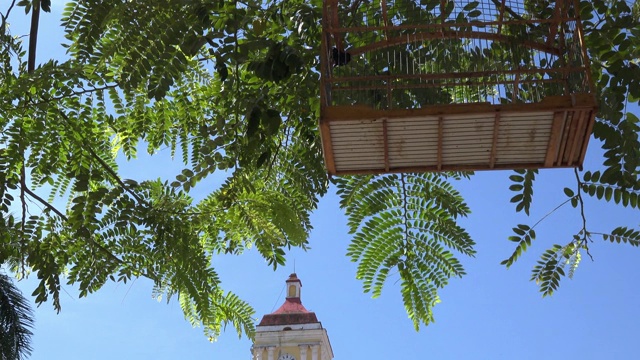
(492, 313)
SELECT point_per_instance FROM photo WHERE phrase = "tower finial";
(293, 286)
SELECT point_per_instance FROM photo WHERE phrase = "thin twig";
(585, 237)
(550, 212)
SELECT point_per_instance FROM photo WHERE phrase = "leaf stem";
(550, 212)
(405, 210)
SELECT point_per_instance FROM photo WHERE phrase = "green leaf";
(419, 246)
(524, 185)
(45, 5)
(524, 237)
(187, 173)
(471, 5)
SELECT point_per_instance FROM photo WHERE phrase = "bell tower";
(292, 332)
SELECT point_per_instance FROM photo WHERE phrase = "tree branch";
(45, 203)
(5, 17)
(31, 65)
(103, 249)
(33, 36)
(105, 166)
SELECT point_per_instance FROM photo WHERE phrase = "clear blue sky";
(492, 313)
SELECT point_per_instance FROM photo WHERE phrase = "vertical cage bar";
(585, 56)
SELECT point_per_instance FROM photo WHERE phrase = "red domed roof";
(291, 312)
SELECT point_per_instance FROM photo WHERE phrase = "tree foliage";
(232, 88)
(16, 321)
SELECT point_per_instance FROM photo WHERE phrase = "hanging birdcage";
(437, 85)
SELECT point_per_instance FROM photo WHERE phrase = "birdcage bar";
(439, 27)
(420, 36)
(462, 75)
(481, 87)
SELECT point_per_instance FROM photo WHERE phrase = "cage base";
(458, 137)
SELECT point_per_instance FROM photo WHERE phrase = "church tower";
(291, 332)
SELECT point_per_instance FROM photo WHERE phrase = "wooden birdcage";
(437, 85)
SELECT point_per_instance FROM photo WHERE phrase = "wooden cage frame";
(549, 132)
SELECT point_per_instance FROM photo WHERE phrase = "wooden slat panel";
(440, 146)
(522, 144)
(370, 162)
(356, 152)
(419, 159)
(590, 118)
(412, 164)
(396, 156)
(426, 131)
(494, 140)
(341, 163)
(327, 150)
(412, 148)
(462, 167)
(555, 138)
(463, 159)
(537, 158)
(462, 141)
(346, 148)
(413, 151)
(536, 149)
(385, 138)
(571, 138)
(452, 142)
(576, 150)
(464, 156)
(360, 159)
(367, 136)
